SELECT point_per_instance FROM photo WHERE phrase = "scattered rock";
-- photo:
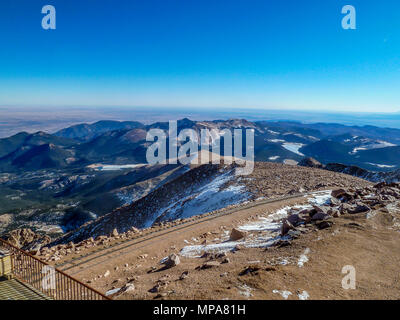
(360, 208)
(159, 287)
(324, 224)
(253, 270)
(294, 234)
(354, 226)
(226, 260)
(184, 275)
(209, 265)
(172, 261)
(320, 216)
(282, 243)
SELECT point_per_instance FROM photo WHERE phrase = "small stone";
(128, 288)
(172, 261)
(294, 234)
(324, 224)
(209, 265)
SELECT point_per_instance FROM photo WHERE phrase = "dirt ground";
(371, 246)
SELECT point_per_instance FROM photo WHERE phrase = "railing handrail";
(7, 244)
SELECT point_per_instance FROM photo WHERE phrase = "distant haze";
(14, 120)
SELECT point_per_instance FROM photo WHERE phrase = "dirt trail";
(155, 241)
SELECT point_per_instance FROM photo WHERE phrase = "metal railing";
(45, 278)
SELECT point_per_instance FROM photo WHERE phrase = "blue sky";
(202, 54)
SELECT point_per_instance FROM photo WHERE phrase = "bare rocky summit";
(183, 195)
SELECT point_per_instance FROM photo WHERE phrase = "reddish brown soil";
(370, 245)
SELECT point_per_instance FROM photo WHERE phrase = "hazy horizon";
(17, 119)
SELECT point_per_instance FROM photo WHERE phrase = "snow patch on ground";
(303, 258)
(303, 296)
(111, 292)
(284, 293)
(274, 158)
(261, 233)
(112, 167)
(381, 165)
(379, 144)
(293, 147)
(245, 290)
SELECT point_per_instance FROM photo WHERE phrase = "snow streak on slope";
(217, 194)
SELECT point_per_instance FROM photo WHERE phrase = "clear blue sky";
(202, 53)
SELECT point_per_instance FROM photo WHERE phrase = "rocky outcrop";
(373, 176)
(27, 240)
(311, 163)
(344, 201)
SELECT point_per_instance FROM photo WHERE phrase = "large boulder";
(236, 235)
(295, 219)
(286, 226)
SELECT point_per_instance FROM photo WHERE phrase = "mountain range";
(58, 182)
(113, 142)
